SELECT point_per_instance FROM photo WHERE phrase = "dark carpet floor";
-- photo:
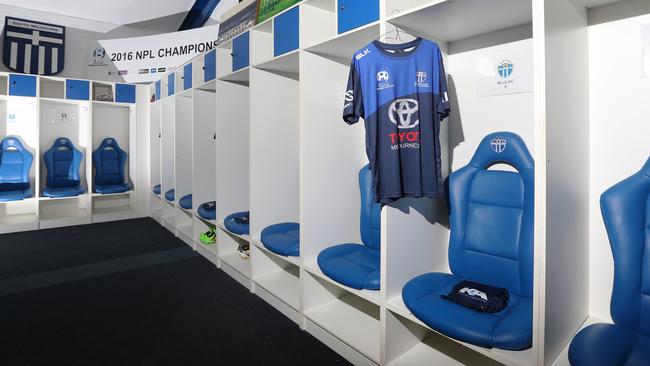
(129, 293)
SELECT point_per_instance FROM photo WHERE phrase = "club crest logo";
(498, 145)
(404, 113)
(383, 76)
(421, 76)
(505, 68)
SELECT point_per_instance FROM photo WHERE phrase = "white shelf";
(243, 266)
(286, 64)
(448, 21)
(293, 260)
(343, 318)
(282, 285)
(343, 46)
(85, 103)
(112, 194)
(241, 76)
(372, 296)
(113, 104)
(50, 199)
(244, 237)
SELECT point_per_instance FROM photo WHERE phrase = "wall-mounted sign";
(33, 47)
(238, 23)
(142, 59)
(270, 8)
(506, 74)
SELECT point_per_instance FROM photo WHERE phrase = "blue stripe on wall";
(198, 14)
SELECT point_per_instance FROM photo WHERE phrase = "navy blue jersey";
(401, 93)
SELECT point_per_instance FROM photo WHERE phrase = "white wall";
(620, 126)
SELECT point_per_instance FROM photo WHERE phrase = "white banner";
(144, 59)
(506, 74)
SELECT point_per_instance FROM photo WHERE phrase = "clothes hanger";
(396, 30)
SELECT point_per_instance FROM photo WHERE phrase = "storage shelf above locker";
(293, 260)
(372, 296)
(448, 21)
(342, 47)
(514, 358)
(284, 285)
(241, 76)
(288, 64)
(243, 266)
(210, 86)
(84, 103)
(114, 104)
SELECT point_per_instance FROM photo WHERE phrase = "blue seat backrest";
(62, 161)
(370, 211)
(626, 211)
(15, 164)
(492, 215)
(109, 161)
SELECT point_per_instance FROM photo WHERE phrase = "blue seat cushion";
(208, 211)
(63, 192)
(15, 195)
(169, 195)
(156, 190)
(186, 202)
(282, 239)
(609, 344)
(235, 227)
(113, 188)
(353, 265)
(509, 329)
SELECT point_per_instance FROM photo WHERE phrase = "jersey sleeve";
(353, 107)
(443, 105)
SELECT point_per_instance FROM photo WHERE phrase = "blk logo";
(382, 76)
(404, 113)
(498, 144)
(421, 76)
(505, 68)
(362, 54)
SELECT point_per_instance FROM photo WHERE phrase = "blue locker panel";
(125, 93)
(210, 66)
(158, 89)
(240, 52)
(286, 29)
(355, 13)
(77, 89)
(170, 84)
(22, 85)
(187, 77)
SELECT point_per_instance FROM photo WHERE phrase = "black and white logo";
(362, 54)
(498, 144)
(404, 113)
(421, 76)
(349, 96)
(472, 292)
(383, 76)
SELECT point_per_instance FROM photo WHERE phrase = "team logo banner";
(33, 47)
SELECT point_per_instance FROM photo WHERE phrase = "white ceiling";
(594, 3)
(117, 12)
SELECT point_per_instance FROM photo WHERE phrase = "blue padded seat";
(62, 162)
(282, 239)
(109, 161)
(157, 189)
(186, 202)
(15, 165)
(208, 210)
(233, 226)
(491, 242)
(357, 265)
(170, 195)
(626, 211)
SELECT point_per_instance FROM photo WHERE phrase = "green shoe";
(208, 237)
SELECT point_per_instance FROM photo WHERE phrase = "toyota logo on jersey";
(404, 113)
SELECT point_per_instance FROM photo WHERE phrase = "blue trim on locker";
(77, 89)
(125, 93)
(187, 76)
(210, 66)
(22, 85)
(170, 84)
(286, 32)
(240, 51)
(356, 13)
(158, 89)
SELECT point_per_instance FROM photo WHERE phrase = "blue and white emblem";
(421, 76)
(505, 68)
(33, 47)
(498, 144)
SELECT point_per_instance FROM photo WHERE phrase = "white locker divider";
(183, 155)
(283, 152)
(155, 145)
(168, 155)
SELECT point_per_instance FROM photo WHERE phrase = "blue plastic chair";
(357, 265)
(233, 226)
(626, 211)
(491, 242)
(62, 162)
(15, 164)
(109, 161)
(282, 239)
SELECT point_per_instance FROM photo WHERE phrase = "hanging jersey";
(401, 93)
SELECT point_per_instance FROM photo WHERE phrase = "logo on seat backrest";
(498, 144)
(404, 113)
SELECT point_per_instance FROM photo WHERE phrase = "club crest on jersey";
(421, 76)
(498, 144)
(404, 113)
(383, 76)
(362, 54)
